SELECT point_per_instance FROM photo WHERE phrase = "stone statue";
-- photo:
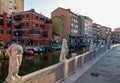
(64, 50)
(91, 45)
(15, 58)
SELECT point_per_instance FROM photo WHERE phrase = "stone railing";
(62, 70)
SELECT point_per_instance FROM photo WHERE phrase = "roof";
(32, 10)
(69, 10)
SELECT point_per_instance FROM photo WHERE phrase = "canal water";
(36, 62)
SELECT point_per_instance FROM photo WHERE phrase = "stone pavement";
(106, 70)
(103, 69)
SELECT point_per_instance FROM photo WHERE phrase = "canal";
(36, 62)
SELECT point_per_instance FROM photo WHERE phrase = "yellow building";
(58, 27)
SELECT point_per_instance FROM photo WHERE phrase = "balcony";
(18, 17)
(18, 33)
(43, 34)
(17, 25)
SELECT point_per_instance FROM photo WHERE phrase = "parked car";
(29, 53)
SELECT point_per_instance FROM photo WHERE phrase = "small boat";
(56, 47)
(29, 53)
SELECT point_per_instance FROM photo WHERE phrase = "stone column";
(107, 43)
(65, 69)
(82, 60)
(74, 55)
(92, 48)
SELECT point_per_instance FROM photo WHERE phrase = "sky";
(103, 12)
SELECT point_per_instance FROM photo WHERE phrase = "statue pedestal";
(14, 81)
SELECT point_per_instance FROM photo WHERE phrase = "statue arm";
(8, 52)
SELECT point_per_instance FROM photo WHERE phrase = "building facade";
(106, 33)
(97, 32)
(117, 29)
(66, 24)
(10, 6)
(86, 28)
(116, 35)
(5, 28)
(31, 28)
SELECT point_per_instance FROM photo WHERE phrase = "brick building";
(66, 24)
(116, 35)
(31, 28)
(97, 32)
(10, 6)
(5, 28)
(106, 33)
(86, 28)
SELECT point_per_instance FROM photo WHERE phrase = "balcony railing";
(18, 17)
(17, 25)
(18, 33)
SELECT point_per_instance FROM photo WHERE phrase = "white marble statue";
(15, 58)
(92, 45)
(64, 51)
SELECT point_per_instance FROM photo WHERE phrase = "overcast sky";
(104, 12)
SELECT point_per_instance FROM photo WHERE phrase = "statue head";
(15, 49)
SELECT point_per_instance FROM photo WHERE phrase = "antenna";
(31, 4)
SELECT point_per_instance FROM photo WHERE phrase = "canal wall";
(62, 70)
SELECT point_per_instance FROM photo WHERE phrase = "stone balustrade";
(62, 70)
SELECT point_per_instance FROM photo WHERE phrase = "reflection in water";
(36, 62)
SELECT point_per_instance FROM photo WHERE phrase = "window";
(14, 7)
(41, 25)
(34, 32)
(9, 32)
(42, 19)
(22, 24)
(27, 24)
(9, 22)
(1, 31)
(36, 25)
(10, 8)
(1, 21)
(36, 17)
(10, 2)
(27, 16)
(14, 1)
(1, 10)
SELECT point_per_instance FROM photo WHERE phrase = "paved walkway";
(106, 70)
(103, 69)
